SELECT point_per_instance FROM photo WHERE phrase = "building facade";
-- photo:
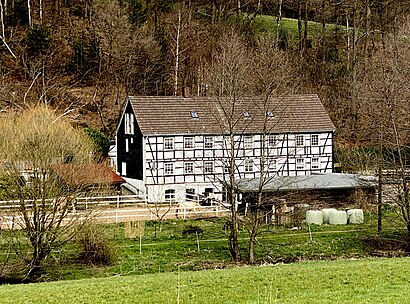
(178, 149)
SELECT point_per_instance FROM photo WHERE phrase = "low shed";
(318, 190)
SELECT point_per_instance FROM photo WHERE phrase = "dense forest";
(83, 57)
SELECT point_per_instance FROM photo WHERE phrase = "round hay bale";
(314, 217)
(338, 218)
(355, 216)
(326, 212)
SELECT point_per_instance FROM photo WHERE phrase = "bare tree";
(229, 81)
(36, 147)
(386, 92)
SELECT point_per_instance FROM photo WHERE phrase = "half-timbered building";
(178, 148)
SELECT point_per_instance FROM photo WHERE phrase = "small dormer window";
(246, 114)
(194, 114)
(269, 114)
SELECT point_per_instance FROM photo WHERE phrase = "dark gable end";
(165, 115)
(129, 145)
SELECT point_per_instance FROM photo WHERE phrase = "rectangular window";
(169, 168)
(315, 163)
(208, 142)
(272, 140)
(299, 140)
(128, 123)
(272, 164)
(188, 142)
(315, 140)
(300, 164)
(190, 194)
(189, 168)
(248, 165)
(168, 143)
(124, 169)
(127, 147)
(248, 141)
(208, 167)
(170, 195)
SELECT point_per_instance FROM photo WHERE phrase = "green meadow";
(340, 281)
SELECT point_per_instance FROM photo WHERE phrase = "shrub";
(190, 229)
(96, 249)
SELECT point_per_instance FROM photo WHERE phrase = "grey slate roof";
(166, 115)
(323, 181)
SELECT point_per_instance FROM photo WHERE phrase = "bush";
(190, 229)
(101, 141)
(96, 249)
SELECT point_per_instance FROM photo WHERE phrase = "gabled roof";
(166, 115)
(87, 174)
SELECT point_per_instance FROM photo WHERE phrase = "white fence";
(116, 209)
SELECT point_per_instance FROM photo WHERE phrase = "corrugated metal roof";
(325, 181)
(166, 115)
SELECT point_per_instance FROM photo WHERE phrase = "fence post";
(184, 213)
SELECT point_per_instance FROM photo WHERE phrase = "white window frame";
(208, 142)
(124, 169)
(169, 168)
(168, 143)
(128, 123)
(127, 147)
(273, 140)
(188, 142)
(300, 164)
(272, 165)
(314, 140)
(315, 163)
(248, 165)
(189, 168)
(208, 167)
(299, 141)
(169, 195)
(248, 141)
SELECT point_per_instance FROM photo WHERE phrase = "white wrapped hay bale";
(338, 218)
(355, 216)
(314, 217)
(326, 212)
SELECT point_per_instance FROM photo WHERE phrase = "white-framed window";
(315, 163)
(127, 146)
(299, 140)
(208, 167)
(189, 168)
(190, 194)
(128, 123)
(169, 168)
(314, 140)
(168, 143)
(248, 141)
(170, 195)
(248, 165)
(272, 165)
(208, 142)
(300, 164)
(272, 140)
(123, 168)
(188, 142)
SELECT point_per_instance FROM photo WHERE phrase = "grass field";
(170, 250)
(341, 281)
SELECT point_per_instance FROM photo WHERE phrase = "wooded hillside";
(84, 57)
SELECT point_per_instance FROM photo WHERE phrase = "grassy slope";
(352, 281)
